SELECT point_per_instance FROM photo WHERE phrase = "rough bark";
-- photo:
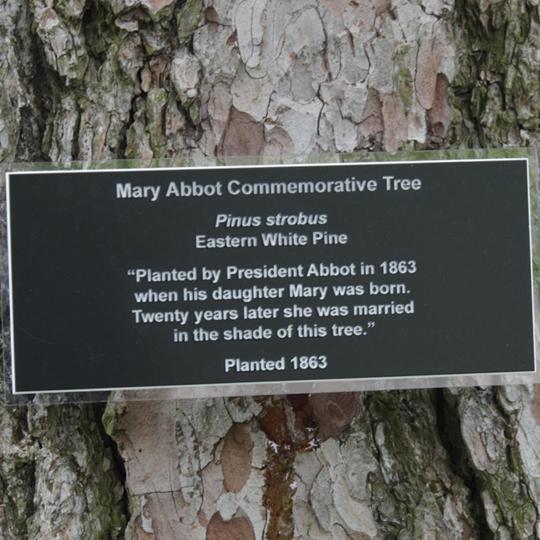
(109, 79)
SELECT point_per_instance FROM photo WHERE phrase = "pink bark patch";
(372, 120)
(440, 114)
(236, 457)
(430, 56)
(243, 136)
(235, 529)
(395, 122)
(382, 6)
(334, 412)
(336, 7)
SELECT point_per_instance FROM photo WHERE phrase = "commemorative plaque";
(168, 277)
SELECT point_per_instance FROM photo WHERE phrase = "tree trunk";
(107, 79)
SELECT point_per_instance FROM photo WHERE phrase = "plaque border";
(286, 386)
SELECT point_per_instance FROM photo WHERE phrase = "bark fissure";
(118, 463)
(450, 434)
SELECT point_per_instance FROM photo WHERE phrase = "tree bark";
(108, 79)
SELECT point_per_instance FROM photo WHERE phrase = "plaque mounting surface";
(124, 279)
